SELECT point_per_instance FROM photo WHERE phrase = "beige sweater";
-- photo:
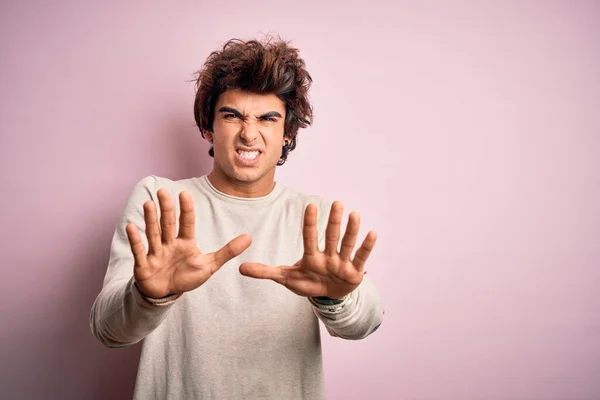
(234, 337)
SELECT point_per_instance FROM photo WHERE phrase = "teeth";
(248, 155)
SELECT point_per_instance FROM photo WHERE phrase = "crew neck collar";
(204, 181)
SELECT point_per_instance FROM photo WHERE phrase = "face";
(248, 134)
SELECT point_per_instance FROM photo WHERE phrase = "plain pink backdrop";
(466, 134)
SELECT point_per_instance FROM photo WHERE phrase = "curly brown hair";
(268, 67)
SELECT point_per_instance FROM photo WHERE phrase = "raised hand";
(330, 273)
(173, 263)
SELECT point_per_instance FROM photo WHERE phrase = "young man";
(193, 261)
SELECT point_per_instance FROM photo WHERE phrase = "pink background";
(466, 134)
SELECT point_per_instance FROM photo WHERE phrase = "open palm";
(174, 263)
(331, 272)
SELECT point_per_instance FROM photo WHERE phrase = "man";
(193, 261)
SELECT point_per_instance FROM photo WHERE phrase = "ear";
(286, 139)
(208, 135)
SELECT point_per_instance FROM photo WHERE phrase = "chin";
(248, 176)
(244, 177)
(245, 174)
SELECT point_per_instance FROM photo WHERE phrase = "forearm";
(121, 317)
(357, 317)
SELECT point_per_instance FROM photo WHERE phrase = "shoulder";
(296, 199)
(151, 184)
(147, 188)
(294, 196)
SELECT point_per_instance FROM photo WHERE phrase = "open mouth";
(248, 157)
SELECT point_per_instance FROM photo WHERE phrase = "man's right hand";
(174, 264)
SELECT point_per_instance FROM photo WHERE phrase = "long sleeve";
(362, 311)
(120, 316)
(357, 317)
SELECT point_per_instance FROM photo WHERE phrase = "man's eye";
(270, 119)
(229, 116)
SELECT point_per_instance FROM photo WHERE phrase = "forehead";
(250, 102)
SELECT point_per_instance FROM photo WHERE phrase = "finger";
(232, 249)
(187, 216)
(362, 254)
(261, 271)
(309, 231)
(349, 239)
(135, 242)
(167, 216)
(152, 228)
(332, 233)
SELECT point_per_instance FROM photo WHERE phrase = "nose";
(250, 131)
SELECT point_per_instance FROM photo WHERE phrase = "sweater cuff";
(331, 306)
(161, 302)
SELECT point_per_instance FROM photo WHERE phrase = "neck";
(238, 188)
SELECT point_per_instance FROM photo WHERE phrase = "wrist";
(328, 301)
(161, 301)
(328, 305)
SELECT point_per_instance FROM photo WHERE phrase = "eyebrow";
(271, 114)
(239, 114)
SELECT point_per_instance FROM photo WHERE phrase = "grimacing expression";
(248, 135)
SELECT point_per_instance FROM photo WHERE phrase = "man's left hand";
(329, 273)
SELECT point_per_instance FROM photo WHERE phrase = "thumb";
(232, 249)
(262, 271)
